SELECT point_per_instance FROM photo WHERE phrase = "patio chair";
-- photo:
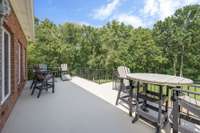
(42, 67)
(186, 111)
(65, 73)
(43, 81)
(124, 86)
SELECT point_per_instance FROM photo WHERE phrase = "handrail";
(97, 75)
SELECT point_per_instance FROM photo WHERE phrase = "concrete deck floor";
(71, 109)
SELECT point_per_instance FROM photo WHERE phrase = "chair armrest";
(196, 81)
(186, 91)
(197, 86)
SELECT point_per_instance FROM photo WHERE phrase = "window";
(24, 63)
(6, 86)
(21, 63)
(18, 63)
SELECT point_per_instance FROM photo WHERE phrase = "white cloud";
(106, 10)
(78, 22)
(148, 14)
(83, 23)
(151, 7)
(165, 8)
(135, 21)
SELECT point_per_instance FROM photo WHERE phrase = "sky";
(99, 12)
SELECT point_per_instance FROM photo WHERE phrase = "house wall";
(17, 36)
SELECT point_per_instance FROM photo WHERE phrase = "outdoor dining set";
(160, 99)
(44, 79)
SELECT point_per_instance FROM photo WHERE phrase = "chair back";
(35, 68)
(38, 73)
(43, 67)
(123, 71)
(64, 67)
(186, 111)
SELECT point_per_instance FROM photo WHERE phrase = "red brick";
(17, 35)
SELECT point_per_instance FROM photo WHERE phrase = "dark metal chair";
(43, 81)
(34, 77)
(124, 86)
(186, 110)
(42, 67)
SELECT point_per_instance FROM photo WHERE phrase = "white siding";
(24, 11)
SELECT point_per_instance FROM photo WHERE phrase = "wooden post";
(160, 109)
(175, 112)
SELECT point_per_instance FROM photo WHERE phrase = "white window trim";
(24, 63)
(4, 98)
(19, 65)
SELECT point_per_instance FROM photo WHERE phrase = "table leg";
(176, 110)
(167, 102)
(130, 98)
(160, 109)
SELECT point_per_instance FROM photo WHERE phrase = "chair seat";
(190, 100)
(188, 127)
(65, 77)
(190, 104)
(49, 76)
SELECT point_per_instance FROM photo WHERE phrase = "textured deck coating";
(70, 110)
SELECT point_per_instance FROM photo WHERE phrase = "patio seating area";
(105, 108)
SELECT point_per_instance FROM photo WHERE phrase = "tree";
(176, 35)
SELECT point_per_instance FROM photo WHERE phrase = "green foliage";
(171, 47)
(179, 38)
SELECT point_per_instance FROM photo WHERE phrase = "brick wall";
(17, 35)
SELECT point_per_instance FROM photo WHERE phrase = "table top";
(159, 79)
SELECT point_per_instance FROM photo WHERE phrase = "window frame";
(24, 63)
(4, 98)
(19, 63)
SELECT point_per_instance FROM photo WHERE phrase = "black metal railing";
(97, 75)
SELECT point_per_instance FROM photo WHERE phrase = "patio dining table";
(162, 81)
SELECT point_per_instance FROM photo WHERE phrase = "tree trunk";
(182, 61)
(174, 64)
